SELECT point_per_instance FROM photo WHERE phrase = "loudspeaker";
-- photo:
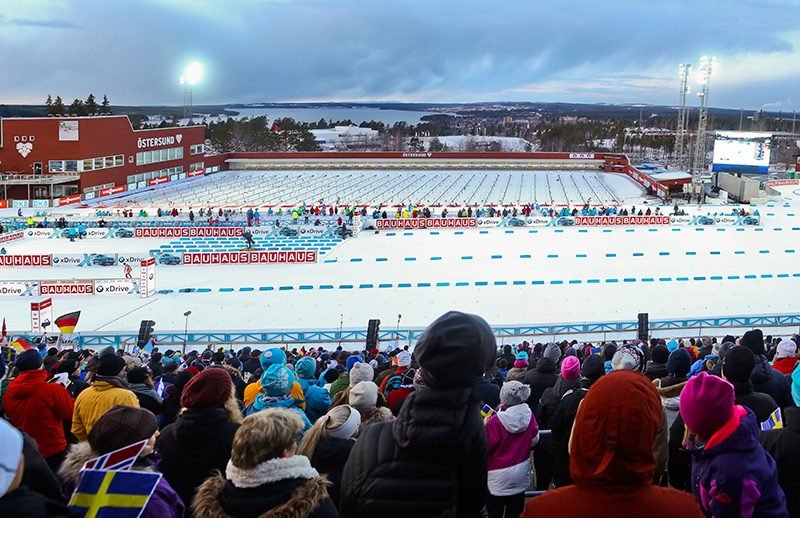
(644, 326)
(373, 331)
(145, 332)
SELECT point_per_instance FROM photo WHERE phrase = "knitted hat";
(182, 379)
(10, 452)
(305, 368)
(754, 340)
(706, 403)
(593, 367)
(28, 360)
(364, 395)
(786, 349)
(361, 372)
(738, 364)
(277, 380)
(706, 341)
(546, 365)
(209, 389)
(454, 349)
(128, 360)
(724, 348)
(419, 383)
(521, 360)
(628, 357)
(156, 357)
(170, 366)
(355, 358)
(679, 363)
(570, 368)
(672, 345)
(660, 354)
(341, 357)
(513, 393)
(571, 351)
(109, 365)
(404, 359)
(137, 375)
(552, 351)
(609, 350)
(272, 356)
(121, 426)
(68, 366)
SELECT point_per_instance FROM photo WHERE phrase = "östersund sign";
(160, 141)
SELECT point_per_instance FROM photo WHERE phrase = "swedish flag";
(113, 493)
(774, 422)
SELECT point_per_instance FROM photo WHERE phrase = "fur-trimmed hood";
(671, 391)
(304, 500)
(70, 468)
(297, 466)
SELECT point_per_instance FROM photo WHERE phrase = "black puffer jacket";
(198, 442)
(431, 462)
(772, 382)
(539, 379)
(329, 458)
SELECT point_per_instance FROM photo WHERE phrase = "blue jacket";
(262, 403)
(317, 399)
(732, 474)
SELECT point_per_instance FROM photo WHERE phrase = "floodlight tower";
(684, 71)
(192, 75)
(706, 67)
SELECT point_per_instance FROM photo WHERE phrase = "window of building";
(196, 149)
(55, 166)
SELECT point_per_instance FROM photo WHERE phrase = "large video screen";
(741, 152)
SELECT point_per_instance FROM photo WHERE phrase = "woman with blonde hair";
(264, 477)
(329, 442)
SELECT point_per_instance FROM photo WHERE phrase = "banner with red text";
(251, 257)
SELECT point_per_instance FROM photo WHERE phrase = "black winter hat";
(546, 365)
(109, 365)
(68, 366)
(660, 354)
(28, 360)
(170, 366)
(738, 364)
(609, 350)
(593, 367)
(454, 349)
(137, 375)
(754, 340)
(679, 363)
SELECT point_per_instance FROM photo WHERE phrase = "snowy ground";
(519, 276)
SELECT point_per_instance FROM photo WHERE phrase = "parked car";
(288, 232)
(566, 221)
(705, 220)
(516, 222)
(750, 221)
(122, 232)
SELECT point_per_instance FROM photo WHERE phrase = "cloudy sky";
(428, 51)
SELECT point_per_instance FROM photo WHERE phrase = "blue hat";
(272, 356)
(679, 363)
(277, 380)
(352, 360)
(521, 356)
(305, 367)
(672, 345)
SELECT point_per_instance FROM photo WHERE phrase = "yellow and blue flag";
(113, 494)
(774, 422)
(487, 411)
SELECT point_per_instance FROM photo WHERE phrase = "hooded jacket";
(510, 435)
(199, 441)
(93, 402)
(772, 382)
(39, 408)
(785, 365)
(317, 398)
(612, 462)
(284, 487)
(732, 474)
(431, 462)
(164, 503)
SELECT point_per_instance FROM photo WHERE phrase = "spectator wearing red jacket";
(39, 408)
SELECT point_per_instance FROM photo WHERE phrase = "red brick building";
(45, 160)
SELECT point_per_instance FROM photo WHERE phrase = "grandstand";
(380, 188)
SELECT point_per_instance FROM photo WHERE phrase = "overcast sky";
(428, 51)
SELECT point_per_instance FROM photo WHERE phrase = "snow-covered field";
(510, 276)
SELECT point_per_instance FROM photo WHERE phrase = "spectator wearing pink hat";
(732, 475)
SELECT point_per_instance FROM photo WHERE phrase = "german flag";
(22, 344)
(66, 323)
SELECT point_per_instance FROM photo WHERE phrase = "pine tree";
(91, 105)
(106, 106)
(58, 106)
(77, 108)
(48, 105)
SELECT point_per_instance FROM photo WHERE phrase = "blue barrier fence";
(395, 337)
